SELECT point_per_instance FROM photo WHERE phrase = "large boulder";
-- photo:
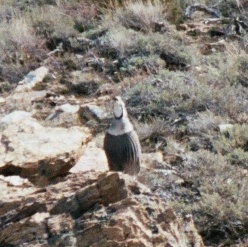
(32, 79)
(36, 152)
(94, 209)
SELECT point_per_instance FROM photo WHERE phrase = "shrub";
(6, 10)
(83, 14)
(52, 23)
(242, 76)
(128, 41)
(152, 64)
(219, 206)
(20, 49)
(205, 122)
(175, 92)
(141, 16)
(220, 73)
(235, 137)
(152, 134)
(238, 157)
(233, 144)
(17, 37)
(176, 9)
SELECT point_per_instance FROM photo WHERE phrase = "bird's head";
(119, 108)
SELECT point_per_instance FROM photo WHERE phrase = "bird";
(121, 142)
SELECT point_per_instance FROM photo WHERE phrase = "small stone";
(2, 100)
(92, 112)
(68, 108)
(40, 217)
(225, 127)
(15, 180)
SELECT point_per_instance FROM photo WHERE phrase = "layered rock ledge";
(93, 209)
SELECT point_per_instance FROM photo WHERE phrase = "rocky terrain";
(181, 68)
(42, 204)
(92, 209)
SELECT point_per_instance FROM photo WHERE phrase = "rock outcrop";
(39, 153)
(31, 79)
(41, 142)
(93, 209)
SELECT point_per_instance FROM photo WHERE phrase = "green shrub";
(177, 92)
(83, 14)
(6, 9)
(233, 144)
(232, 138)
(205, 122)
(151, 64)
(238, 157)
(152, 134)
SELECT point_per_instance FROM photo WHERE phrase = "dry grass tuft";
(142, 16)
(20, 48)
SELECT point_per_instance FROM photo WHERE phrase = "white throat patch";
(119, 109)
(120, 124)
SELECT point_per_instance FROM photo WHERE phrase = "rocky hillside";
(42, 204)
(180, 66)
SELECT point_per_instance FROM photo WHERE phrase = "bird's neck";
(120, 126)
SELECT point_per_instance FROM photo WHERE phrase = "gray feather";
(123, 152)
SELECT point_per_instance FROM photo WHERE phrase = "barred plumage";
(121, 142)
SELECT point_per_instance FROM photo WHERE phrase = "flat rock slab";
(65, 115)
(15, 116)
(36, 152)
(24, 100)
(93, 158)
